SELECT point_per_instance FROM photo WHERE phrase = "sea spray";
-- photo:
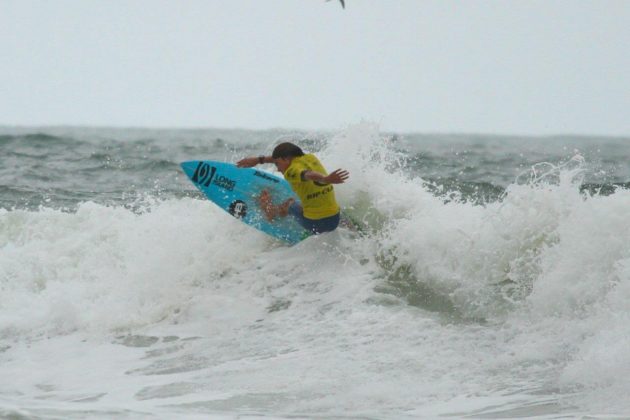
(108, 268)
(126, 293)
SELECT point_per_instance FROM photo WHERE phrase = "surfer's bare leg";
(271, 210)
(264, 201)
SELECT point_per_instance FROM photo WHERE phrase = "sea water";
(491, 280)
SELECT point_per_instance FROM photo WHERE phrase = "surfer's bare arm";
(249, 162)
(337, 177)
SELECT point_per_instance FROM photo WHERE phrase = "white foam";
(106, 268)
(180, 308)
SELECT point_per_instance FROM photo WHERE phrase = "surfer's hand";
(337, 177)
(247, 162)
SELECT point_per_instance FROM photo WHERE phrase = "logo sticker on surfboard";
(238, 209)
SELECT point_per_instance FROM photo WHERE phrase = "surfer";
(317, 209)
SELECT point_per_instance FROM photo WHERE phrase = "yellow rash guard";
(318, 200)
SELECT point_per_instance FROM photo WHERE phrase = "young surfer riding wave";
(317, 209)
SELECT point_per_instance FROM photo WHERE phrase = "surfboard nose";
(189, 167)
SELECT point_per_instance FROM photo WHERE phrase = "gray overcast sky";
(511, 67)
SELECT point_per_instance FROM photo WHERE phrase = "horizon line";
(338, 129)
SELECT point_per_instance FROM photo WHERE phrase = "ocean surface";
(492, 280)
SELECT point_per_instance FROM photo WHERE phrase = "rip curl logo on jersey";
(238, 209)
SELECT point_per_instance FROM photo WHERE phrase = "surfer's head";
(286, 150)
(284, 153)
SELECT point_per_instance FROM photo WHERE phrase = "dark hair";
(285, 150)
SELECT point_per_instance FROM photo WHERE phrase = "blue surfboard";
(236, 190)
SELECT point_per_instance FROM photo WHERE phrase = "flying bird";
(343, 4)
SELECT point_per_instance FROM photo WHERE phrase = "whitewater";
(492, 280)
